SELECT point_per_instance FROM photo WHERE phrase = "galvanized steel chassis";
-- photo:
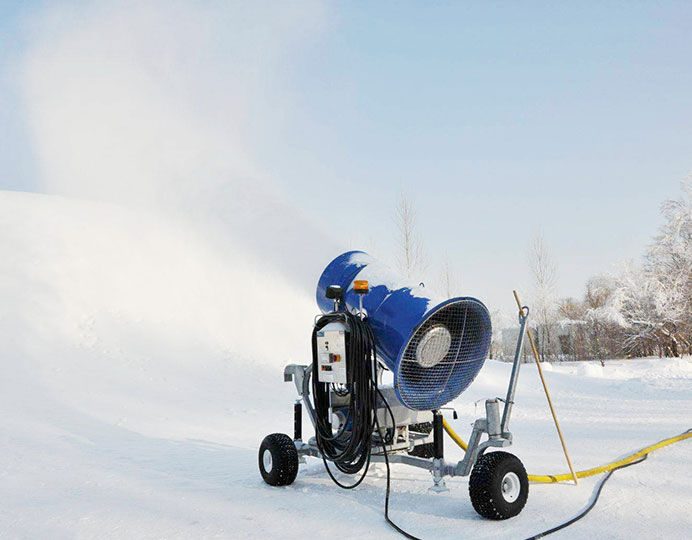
(495, 427)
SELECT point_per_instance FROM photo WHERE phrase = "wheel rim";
(511, 487)
(267, 461)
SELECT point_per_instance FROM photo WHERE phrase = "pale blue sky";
(496, 118)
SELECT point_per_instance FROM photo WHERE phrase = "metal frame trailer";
(496, 426)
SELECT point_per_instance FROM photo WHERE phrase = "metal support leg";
(438, 436)
(300, 375)
(438, 452)
(298, 421)
(298, 428)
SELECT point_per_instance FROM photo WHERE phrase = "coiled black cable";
(350, 450)
(350, 447)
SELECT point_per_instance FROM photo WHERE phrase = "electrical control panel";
(331, 354)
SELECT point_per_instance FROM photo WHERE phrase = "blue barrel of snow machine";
(434, 347)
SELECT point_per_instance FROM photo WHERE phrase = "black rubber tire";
(284, 460)
(486, 482)
(426, 450)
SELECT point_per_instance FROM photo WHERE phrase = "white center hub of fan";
(433, 346)
(511, 487)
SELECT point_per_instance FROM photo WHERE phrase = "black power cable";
(536, 537)
(387, 492)
(595, 499)
(591, 504)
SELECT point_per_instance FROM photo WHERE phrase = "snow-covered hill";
(141, 367)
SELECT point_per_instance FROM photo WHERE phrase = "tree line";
(644, 309)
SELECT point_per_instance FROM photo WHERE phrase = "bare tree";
(411, 255)
(544, 274)
(448, 279)
(571, 309)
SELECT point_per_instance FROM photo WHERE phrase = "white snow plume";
(161, 271)
(122, 315)
(155, 104)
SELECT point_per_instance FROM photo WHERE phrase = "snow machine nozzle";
(434, 347)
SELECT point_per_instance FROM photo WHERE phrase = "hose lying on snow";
(553, 478)
(632, 459)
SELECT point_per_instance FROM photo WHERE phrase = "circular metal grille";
(434, 368)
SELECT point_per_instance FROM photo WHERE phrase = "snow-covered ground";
(140, 369)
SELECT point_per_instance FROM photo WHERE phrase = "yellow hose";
(453, 435)
(552, 478)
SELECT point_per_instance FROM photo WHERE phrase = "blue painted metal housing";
(400, 314)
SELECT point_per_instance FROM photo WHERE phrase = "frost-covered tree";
(635, 300)
(669, 266)
(645, 309)
(655, 300)
(603, 318)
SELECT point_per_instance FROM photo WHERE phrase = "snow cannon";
(434, 347)
(373, 321)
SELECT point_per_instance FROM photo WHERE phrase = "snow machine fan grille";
(444, 354)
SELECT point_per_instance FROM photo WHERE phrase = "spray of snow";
(153, 105)
(159, 245)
